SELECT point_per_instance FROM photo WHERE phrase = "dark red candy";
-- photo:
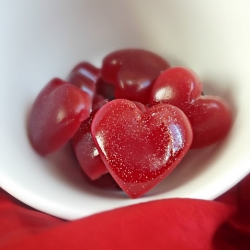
(133, 72)
(210, 118)
(85, 76)
(105, 89)
(177, 86)
(85, 84)
(135, 80)
(56, 115)
(98, 102)
(84, 147)
(87, 70)
(87, 153)
(139, 148)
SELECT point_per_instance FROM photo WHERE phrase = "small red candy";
(105, 89)
(177, 86)
(133, 72)
(86, 151)
(56, 115)
(210, 118)
(84, 147)
(85, 76)
(87, 70)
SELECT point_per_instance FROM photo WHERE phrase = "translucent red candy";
(105, 89)
(84, 147)
(87, 70)
(133, 72)
(131, 122)
(177, 86)
(210, 117)
(56, 115)
(85, 76)
(139, 148)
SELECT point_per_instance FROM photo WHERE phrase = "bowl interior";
(44, 39)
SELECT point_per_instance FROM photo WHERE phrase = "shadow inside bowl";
(64, 166)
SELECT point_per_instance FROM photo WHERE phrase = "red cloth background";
(223, 224)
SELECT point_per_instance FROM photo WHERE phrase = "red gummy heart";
(210, 118)
(84, 147)
(56, 115)
(86, 151)
(140, 148)
(133, 72)
(177, 86)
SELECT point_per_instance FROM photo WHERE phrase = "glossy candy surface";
(210, 118)
(87, 70)
(85, 76)
(133, 72)
(56, 115)
(105, 89)
(177, 86)
(139, 148)
(84, 147)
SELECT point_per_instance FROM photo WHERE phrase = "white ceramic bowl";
(45, 38)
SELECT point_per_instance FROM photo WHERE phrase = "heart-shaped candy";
(177, 86)
(84, 147)
(85, 76)
(133, 72)
(56, 115)
(140, 147)
(210, 118)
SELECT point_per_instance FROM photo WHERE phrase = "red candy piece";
(87, 70)
(210, 118)
(176, 86)
(85, 76)
(56, 115)
(83, 83)
(85, 149)
(105, 89)
(133, 72)
(139, 148)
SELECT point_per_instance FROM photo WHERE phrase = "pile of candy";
(134, 118)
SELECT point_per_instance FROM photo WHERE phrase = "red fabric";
(185, 224)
